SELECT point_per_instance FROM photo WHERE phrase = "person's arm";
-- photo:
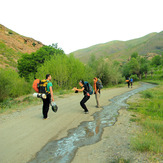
(51, 92)
(79, 90)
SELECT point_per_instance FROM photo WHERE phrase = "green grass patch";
(147, 94)
(150, 110)
(120, 160)
(147, 141)
(11, 105)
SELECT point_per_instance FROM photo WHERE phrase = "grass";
(150, 111)
(11, 105)
(121, 160)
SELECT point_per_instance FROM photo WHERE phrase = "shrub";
(134, 77)
(11, 85)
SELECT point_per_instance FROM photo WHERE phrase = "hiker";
(85, 90)
(47, 101)
(96, 87)
(131, 82)
(128, 81)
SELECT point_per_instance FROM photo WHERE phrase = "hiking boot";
(86, 112)
(45, 118)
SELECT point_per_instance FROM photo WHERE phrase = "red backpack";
(35, 85)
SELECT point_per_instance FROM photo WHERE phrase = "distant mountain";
(12, 45)
(121, 50)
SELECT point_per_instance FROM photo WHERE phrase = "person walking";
(131, 82)
(96, 91)
(85, 90)
(47, 101)
(128, 81)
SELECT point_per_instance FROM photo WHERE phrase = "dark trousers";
(83, 101)
(45, 108)
(128, 84)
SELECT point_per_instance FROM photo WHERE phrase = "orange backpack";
(35, 85)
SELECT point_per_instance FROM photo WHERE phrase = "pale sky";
(78, 24)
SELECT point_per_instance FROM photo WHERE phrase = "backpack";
(131, 80)
(43, 86)
(99, 82)
(36, 84)
(89, 88)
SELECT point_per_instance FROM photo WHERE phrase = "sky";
(78, 24)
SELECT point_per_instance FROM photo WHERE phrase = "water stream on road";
(87, 133)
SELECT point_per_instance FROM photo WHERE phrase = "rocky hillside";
(12, 45)
(121, 50)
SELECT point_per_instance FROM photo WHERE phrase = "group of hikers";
(45, 86)
(129, 81)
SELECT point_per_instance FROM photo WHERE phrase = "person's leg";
(128, 84)
(97, 96)
(83, 101)
(46, 103)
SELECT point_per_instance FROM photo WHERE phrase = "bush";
(134, 77)
(66, 71)
(11, 85)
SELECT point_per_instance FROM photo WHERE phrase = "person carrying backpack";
(97, 87)
(45, 86)
(128, 81)
(87, 90)
(131, 81)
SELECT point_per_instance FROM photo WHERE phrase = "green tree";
(29, 63)
(66, 71)
(134, 67)
(156, 60)
(144, 66)
(126, 70)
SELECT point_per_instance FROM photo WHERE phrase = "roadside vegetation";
(149, 114)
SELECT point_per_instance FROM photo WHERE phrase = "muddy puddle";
(87, 133)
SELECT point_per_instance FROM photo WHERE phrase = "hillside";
(121, 50)
(12, 45)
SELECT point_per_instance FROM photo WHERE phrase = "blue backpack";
(89, 88)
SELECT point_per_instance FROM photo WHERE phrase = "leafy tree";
(156, 60)
(107, 71)
(126, 70)
(144, 66)
(134, 66)
(29, 63)
(66, 71)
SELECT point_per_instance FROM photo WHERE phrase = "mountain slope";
(12, 45)
(120, 50)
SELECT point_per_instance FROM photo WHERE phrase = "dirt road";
(23, 134)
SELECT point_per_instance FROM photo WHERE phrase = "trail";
(25, 133)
